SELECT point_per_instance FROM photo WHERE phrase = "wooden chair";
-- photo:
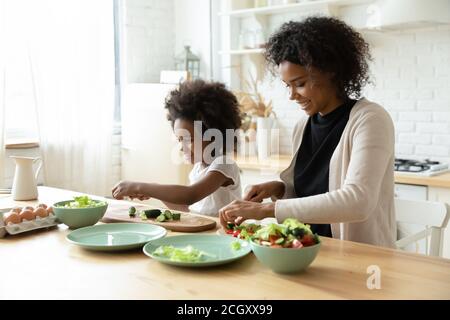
(433, 216)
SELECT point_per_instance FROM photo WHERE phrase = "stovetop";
(425, 167)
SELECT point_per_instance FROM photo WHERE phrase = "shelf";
(287, 8)
(242, 52)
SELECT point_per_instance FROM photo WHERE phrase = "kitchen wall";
(149, 34)
(411, 73)
(192, 27)
(156, 31)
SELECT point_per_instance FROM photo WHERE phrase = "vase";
(264, 137)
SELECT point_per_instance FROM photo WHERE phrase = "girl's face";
(311, 89)
(184, 132)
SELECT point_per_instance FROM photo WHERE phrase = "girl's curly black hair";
(209, 102)
(327, 44)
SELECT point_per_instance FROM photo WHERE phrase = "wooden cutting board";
(187, 223)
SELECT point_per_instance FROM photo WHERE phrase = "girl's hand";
(128, 189)
(259, 192)
(238, 211)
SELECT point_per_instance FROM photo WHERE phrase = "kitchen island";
(43, 265)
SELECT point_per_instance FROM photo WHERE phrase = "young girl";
(199, 112)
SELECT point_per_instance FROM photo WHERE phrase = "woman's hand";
(238, 211)
(259, 192)
(128, 189)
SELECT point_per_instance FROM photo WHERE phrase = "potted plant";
(257, 117)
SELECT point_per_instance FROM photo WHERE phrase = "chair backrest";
(433, 216)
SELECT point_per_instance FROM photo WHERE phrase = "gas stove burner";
(410, 165)
(422, 167)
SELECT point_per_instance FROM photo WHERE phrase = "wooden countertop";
(43, 265)
(275, 163)
(442, 180)
(281, 162)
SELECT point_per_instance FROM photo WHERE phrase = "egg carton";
(25, 226)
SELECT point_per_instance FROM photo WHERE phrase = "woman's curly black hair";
(327, 44)
(209, 102)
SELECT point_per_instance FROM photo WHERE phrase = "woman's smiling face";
(311, 89)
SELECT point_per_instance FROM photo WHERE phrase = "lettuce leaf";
(84, 202)
(271, 230)
(186, 254)
(294, 223)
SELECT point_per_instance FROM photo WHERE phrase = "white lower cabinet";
(251, 177)
(442, 195)
(411, 192)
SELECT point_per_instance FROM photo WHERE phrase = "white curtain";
(71, 51)
(2, 96)
(2, 125)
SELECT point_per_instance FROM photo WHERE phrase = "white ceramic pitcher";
(25, 180)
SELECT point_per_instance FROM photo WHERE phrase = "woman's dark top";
(312, 166)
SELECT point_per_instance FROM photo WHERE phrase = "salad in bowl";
(290, 234)
(285, 248)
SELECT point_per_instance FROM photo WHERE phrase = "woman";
(341, 179)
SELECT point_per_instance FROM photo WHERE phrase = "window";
(20, 115)
(21, 124)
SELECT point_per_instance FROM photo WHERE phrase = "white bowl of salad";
(285, 248)
(80, 212)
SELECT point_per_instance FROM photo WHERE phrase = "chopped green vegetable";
(176, 215)
(186, 254)
(161, 218)
(293, 224)
(132, 212)
(143, 216)
(152, 213)
(290, 234)
(159, 215)
(168, 214)
(271, 230)
(83, 202)
(235, 245)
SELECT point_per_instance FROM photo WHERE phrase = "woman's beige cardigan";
(360, 201)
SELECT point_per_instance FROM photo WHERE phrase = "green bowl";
(78, 217)
(285, 260)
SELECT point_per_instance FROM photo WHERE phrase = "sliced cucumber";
(152, 213)
(168, 214)
(161, 218)
(176, 215)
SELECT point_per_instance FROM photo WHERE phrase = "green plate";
(219, 247)
(115, 236)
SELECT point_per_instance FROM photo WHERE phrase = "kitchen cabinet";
(254, 171)
(442, 195)
(245, 25)
(244, 30)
